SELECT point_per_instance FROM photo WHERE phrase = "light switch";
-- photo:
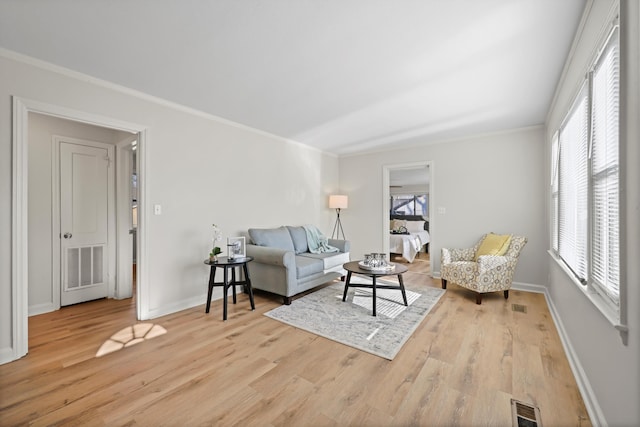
(442, 210)
(157, 209)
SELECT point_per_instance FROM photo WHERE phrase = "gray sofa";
(283, 264)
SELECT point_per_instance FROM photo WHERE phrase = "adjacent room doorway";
(412, 178)
(76, 251)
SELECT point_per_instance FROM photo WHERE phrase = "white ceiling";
(344, 76)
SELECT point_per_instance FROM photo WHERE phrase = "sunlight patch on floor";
(129, 336)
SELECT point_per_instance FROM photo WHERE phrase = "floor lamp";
(338, 202)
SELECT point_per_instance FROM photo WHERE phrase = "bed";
(415, 236)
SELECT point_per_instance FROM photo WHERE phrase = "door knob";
(67, 235)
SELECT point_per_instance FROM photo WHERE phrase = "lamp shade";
(338, 201)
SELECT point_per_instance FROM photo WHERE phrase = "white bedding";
(408, 244)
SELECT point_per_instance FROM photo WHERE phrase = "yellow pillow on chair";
(494, 244)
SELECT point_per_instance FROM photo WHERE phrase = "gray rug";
(323, 313)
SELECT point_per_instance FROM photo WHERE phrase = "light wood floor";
(461, 367)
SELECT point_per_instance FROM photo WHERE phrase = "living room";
(203, 169)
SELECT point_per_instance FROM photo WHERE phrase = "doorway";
(408, 187)
(21, 210)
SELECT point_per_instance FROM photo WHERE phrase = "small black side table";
(226, 263)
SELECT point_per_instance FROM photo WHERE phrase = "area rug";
(351, 323)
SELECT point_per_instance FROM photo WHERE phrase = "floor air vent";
(525, 415)
(519, 308)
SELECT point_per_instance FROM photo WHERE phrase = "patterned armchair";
(490, 273)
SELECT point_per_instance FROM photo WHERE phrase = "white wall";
(487, 183)
(610, 370)
(200, 169)
(41, 131)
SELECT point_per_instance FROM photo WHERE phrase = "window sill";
(613, 316)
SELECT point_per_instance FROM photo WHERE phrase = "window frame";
(598, 176)
(410, 198)
(595, 292)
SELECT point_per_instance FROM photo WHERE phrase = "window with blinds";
(585, 195)
(573, 189)
(605, 201)
(554, 193)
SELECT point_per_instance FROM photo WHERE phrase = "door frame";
(20, 210)
(124, 257)
(386, 194)
(111, 248)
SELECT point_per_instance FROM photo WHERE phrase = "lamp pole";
(338, 202)
(337, 228)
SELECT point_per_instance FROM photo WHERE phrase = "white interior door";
(125, 165)
(83, 222)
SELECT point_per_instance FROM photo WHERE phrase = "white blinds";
(605, 237)
(573, 187)
(554, 192)
(585, 180)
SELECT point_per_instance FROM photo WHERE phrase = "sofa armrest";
(272, 256)
(490, 262)
(343, 245)
(495, 272)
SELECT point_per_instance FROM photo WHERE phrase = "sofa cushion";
(272, 237)
(299, 237)
(306, 266)
(329, 260)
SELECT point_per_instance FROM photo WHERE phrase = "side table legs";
(229, 283)
(233, 280)
(404, 294)
(374, 295)
(346, 286)
(212, 276)
(374, 288)
(248, 285)
(225, 289)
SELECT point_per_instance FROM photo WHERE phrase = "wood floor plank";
(461, 366)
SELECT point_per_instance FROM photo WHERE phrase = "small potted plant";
(217, 236)
(213, 255)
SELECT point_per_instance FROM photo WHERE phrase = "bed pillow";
(397, 223)
(494, 244)
(415, 226)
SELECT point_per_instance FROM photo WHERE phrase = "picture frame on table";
(236, 248)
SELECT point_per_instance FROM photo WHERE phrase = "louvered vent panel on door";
(84, 266)
(97, 264)
(73, 267)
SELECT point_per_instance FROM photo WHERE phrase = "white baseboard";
(6, 355)
(529, 287)
(175, 307)
(588, 396)
(184, 304)
(46, 307)
(586, 391)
